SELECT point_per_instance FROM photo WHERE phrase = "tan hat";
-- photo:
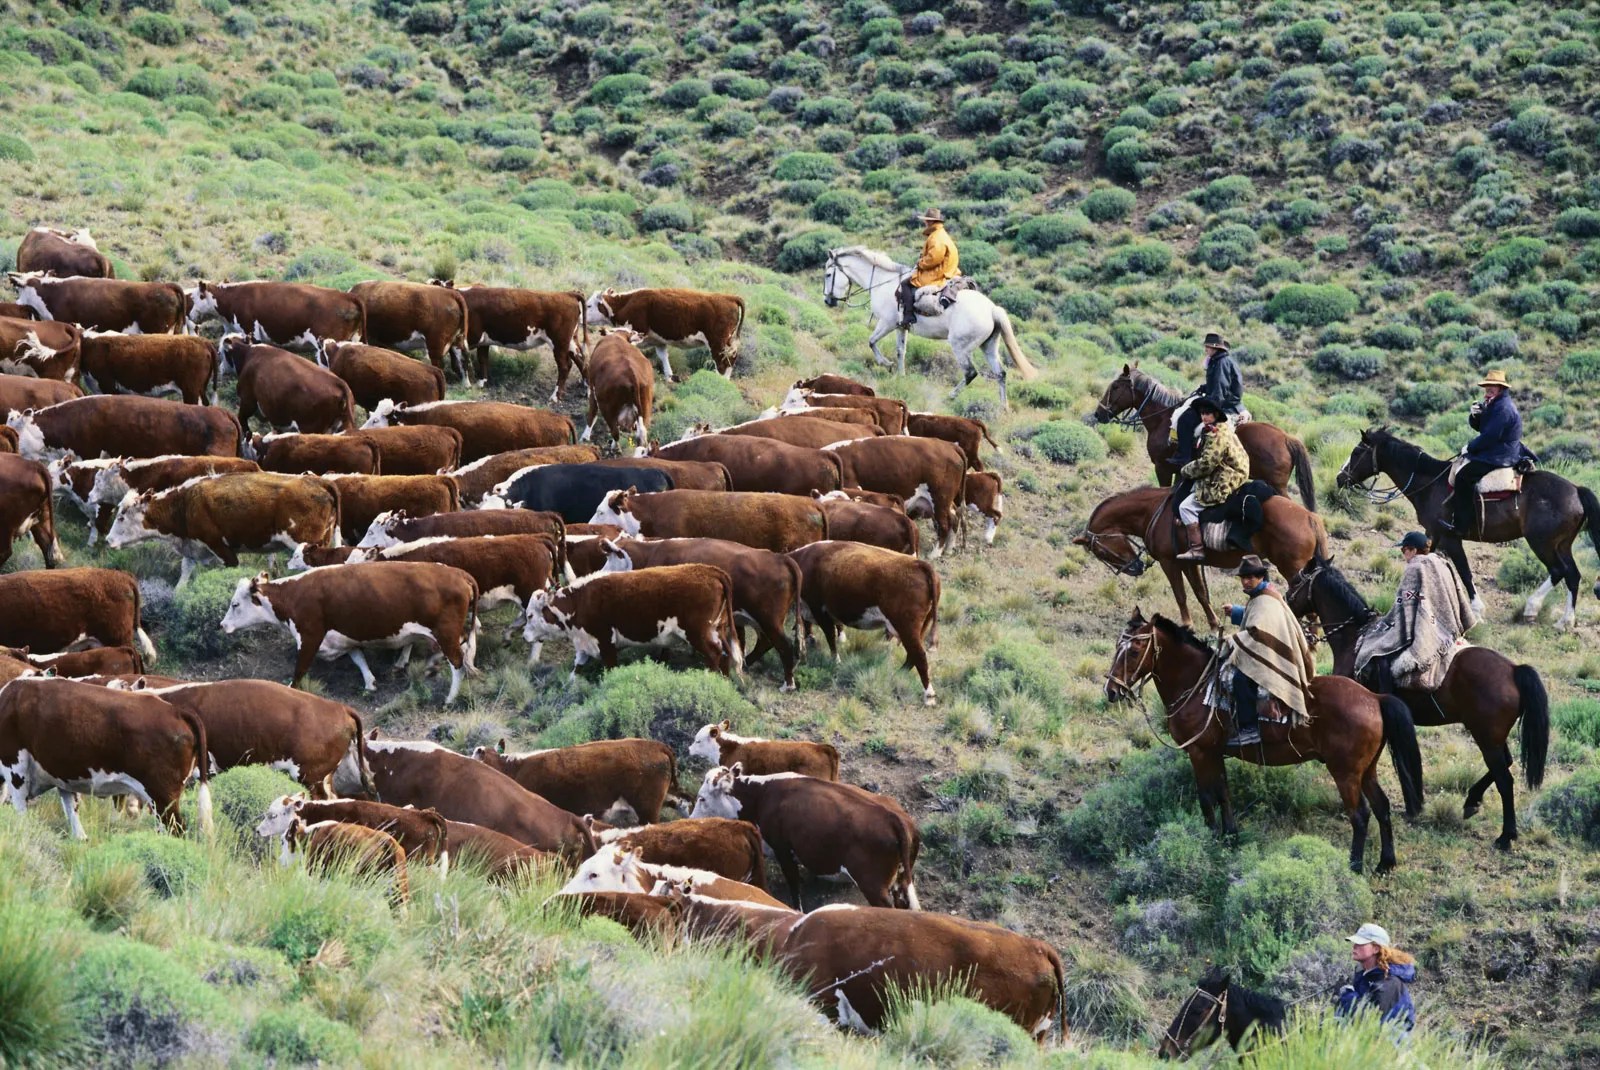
(932, 215)
(1495, 378)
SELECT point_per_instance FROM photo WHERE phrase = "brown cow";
(287, 391)
(8, 441)
(828, 827)
(601, 611)
(423, 833)
(984, 495)
(25, 506)
(41, 349)
(964, 431)
(730, 849)
(292, 453)
(104, 304)
(664, 317)
(415, 315)
(98, 661)
(891, 413)
(363, 499)
(858, 417)
(871, 497)
(486, 426)
(414, 451)
(388, 530)
(717, 744)
(619, 869)
(914, 468)
(332, 612)
(125, 425)
(15, 311)
(508, 568)
(875, 525)
(834, 384)
(518, 319)
(28, 392)
(63, 253)
(621, 389)
(151, 364)
(869, 587)
(97, 487)
(71, 608)
(288, 314)
(338, 847)
(375, 374)
(686, 475)
(637, 775)
(798, 430)
(481, 476)
(81, 739)
(777, 522)
(499, 856)
(642, 915)
(760, 464)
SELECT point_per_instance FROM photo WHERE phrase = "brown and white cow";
(63, 253)
(340, 847)
(855, 417)
(291, 453)
(891, 413)
(777, 522)
(97, 661)
(80, 739)
(71, 608)
(875, 525)
(827, 827)
(41, 349)
(218, 517)
(663, 317)
(389, 529)
(834, 384)
(375, 374)
(606, 777)
(423, 833)
(486, 426)
(415, 315)
(15, 311)
(686, 475)
(363, 499)
(984, 495)
(414, 451)
(508, 568)
(97, 487)
(512, 318)
(913, 468)
(760, 464)
(964, 431)
(621, 388)
(871, 497)
(288, 314)
(333, 612)
(621, 869)
(104, 304)
(799, 430)
(21, 392)
(717, 744)
(288, 391)
(125, 425)
(151, 364)
(481, 476)
(26, 508)
(848, 583)
(602, 611)
(730, 849)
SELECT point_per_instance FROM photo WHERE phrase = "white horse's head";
(835, 283)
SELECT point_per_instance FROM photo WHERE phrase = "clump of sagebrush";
(1301, 889)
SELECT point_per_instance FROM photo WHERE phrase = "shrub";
(141, 1007)
(1572, 808)
(1491, 346)
(1446, 306)
(976, 66)
(1102, 994)
(1043, 234)
(976, 114)
(673, 216)
(439, 150)
(1062, 150)
(615, 88)
(1149, 789)
(1347, 363)
(1227, 192)
(1423, 399)
(875, 152)
(1536, 131)
(169, 866)
(947, 156)
(15, 149)
(1066, 442)
(1304, 36)
(825, 111)
(1109, 204)
(1405, 24)
(1070, 91)
(837, 205)
(1276, 270)
(1581, 367)
(1089, 306)
(1579, 223)
(39, 1026)
(944, 1029)
(298, 1035)
(1126, 159)
(1508, 261)
(1226, 246)
(1018, 666)
(429, 19)
(1139, 258)
(994, 184)
(1579, 719)
(1395, 336)
(1300, 890)
(652, 701)
(905, 109)
(157, 29)
(1311, 304)
(804, 165)
(808, 250)
(1180, 859)
(685, 93)
(242, 794)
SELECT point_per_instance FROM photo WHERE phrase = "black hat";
(1206, 405)
(1252, 566)
(1414, 540)
(1214, 340)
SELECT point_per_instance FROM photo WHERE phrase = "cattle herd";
(401, 528)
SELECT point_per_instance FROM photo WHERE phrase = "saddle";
(1219, 696)
(1497, 486)
(1233, 525)
(933, 300)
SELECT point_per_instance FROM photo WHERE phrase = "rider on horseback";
(1497, 445)
(1411, 645)
(1224, 388)
(1222, 468)
(938, 264)
(1269, 651)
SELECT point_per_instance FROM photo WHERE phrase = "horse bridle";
(851, 286)
(1133, 417)
(1218, 1009)
(1309, 579)
(1368, 487)
(1134, 566)
(1131, 690)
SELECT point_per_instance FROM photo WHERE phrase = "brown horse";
(1484, 691)
(1274, 454)
(1135, 521)
(1347, 729)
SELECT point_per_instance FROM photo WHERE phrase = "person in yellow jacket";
(938, 265)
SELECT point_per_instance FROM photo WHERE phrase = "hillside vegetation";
(1374, 203)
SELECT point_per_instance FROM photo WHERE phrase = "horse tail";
(1322, 536)
(1003, 323)
(1303, 477)
(1535, 712)
(1400, 732)
(1591, 509)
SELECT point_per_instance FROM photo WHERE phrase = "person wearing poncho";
(1269, 652)
(1411, 646)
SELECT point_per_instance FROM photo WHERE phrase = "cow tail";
(1061, 996)
(838, 469)
(441, 840)
(910, 847)
(469, 649)
(361, 304)
(47, 522)
(216, 370)
(738, 328)
(798, 579)
(338, 514)
(466, 314)
(732, 626)
(572, 432)
(350, 409)
(758, 864)
(930, 623)
(985, 429)
(144, 647)
(203, 760)
(583, 321)
(455, 494)
(369, 786)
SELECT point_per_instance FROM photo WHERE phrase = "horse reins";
(1355, 620)
(1133, 690)
(852, 287)
(1218, 1009)
(1368, 488)
(1134, 417)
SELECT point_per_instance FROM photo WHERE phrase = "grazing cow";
(717, 744)
(573, 490)
(777, 522)
(642, 915)
(618, 869)
(389, 529)
(964, 431)
(218, 517)
(860, 958)
(730, 849)
(526, 319)
(100, 661)
(622, 389)
(766, 585)
(423, 833)
(479, 478)
(374, 374)
(420, 774)
(760, 464)
(914, 468)
(288, 314)
(104, 304)
(686, 475)
(340, 847)
(498, 856)
(601, 778)
(856, 417)
(97, 487)
(362, 499)
(666, 317)
(288, 391)
(415, 315)
(41, 349)
(869, 587)
(508, 568)
(828, 827)
(26, 507)
(834, 384)
(875, 525)
(984, 495)
(332, 612)
(21, 392)
(63, 253)
(890, 413)
(151, 364)
(414, 451)
(71, 608)
(486, 427)
(798, 430)
(602, 611)
(125, 425)
(82, 739)
(291, 452)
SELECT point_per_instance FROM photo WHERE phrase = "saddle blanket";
(1219, 697)
(1240, 417)
(933, 300)
(1500, 481)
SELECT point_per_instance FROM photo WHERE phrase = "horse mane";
(1337, 585)
(1267, 1010)
(1383, 436)
(1184, 633)
(878, 260)
(1158, 391)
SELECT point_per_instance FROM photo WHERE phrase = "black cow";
(573, 490)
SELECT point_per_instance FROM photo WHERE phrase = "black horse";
(1549, 512)
(1218, 1008)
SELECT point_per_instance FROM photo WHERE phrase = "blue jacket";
(1499, 440)
(1224, 385)
(1387, 990)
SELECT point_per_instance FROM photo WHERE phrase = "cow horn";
(737, 769)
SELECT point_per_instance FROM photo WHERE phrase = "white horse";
(972, 322)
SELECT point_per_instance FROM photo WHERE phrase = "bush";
(1446, 306)
(1405, 24)
(837, 206)
(825, 111)
(1535, 131)
(1226, 246)
(1150, 789)
(1581, 367)
(1227, 192)
(298, 1035)
(141, 1007)
(995, 184)
(685, 93)
(675, 216)
(875, 152)
(1579, 223)
(1102, 994)
(242, 794)
(905, 109)
(1071, 92)
(1181, 859)
(169, 866)
(948, 156)
(944, 1029)
(977, 114)
(439, 150)
(1018, 666)
(805, 165)
(1126, 159)
(1492, 346)
(1043, 234)
(1578, 719)
(157, 29)
(1276, 270)
(1304, 36)
(1395, 336)
(196, 610)
(1508, 261)
(1423, 399)
(15, 149)
(1347, 363)
(615, 88)
(808, 250)
(1572, 808)
(1311, 304)
(652, 701)
(1066, 442)
(1300, 890)
(1140, 258)
(976, 66)
(1110, 204)
(429, 19)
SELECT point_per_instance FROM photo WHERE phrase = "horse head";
(1363, 462)
(835, 283)
(1201, 1017)
(1134, 659)
(1119, 396)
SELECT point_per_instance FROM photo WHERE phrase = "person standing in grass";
(1382, 980)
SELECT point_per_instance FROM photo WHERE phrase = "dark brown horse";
(1140, 521)
(1274, 454)
(1549, 512)
(1484, 691)
(1218, 1009)
(1348, 727)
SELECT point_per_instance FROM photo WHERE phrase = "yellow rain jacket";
(940, 262)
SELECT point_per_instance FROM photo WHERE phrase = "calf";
(871, 497)
(760, 464)
(717, 744)
(389, 529)
(875, 525)
(486, 426)
(479, 478)
(414, 315)
(730, 849)
(98, 487)
(964, 431)
(518, 319)
(664, 317)
(151, 364)
(339, 847)
(833, 384)
(508, 568)
(423, 833)
(599, 612)
(618, 869)
(499, 856)
(27, 392)
(291, 452)
(642, 915)
(26, 507)
(829, 828)
(289, 314)
(414, 451)
(362, 499)
(777, 522)
(126, 426)
(287, 391)
(799, 430)
(375, 374)
(891, 413)
(621, 389)
(96, 661)
(63, 253)
(596, 778)
(40, 349)
(914, 468)
(984, 495)
(104, 304)
(869, 587)
(686, 475)
(333, 612)
(573, 490)
(71, 608)
(82, 739)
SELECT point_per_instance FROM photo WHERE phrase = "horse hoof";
(1386, 866)
(1503, 843)
(1468, 810)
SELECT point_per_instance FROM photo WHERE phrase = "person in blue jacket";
(1498, 445)
(1382, 981)
(1223, 388)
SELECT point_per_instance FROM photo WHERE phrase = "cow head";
(617, 559)
(610, 869)
(232, 352)
(280, 816)
(617, 508)
(28, 285)
(706, 742)
(493, 757)
(384, 414)
(250, 607)
(202, 301)
(61, 476)
(597, 311)
(129, 526)
(380, 532)
(716, 798)
(545, 620)
(30, 440)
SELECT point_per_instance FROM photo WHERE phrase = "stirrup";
(1245, 737)
(1197, 553)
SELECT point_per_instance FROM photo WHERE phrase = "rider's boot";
(1249, 722)
(1197, 547)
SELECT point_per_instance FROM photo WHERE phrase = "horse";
(1483, 691)
(1346, 730)
(1274, 454)
(971, 323)
(1549, 512)
(1218, 1008)
(1124, 525)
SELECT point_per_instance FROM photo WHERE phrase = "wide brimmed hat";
(1370, 933)
(1206, 405)
(1495, 378)
(932, 215)
(1214, 340)
(1252, 566)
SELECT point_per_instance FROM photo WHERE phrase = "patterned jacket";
(1222, 466)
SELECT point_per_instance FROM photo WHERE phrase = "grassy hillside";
(1122, 180)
